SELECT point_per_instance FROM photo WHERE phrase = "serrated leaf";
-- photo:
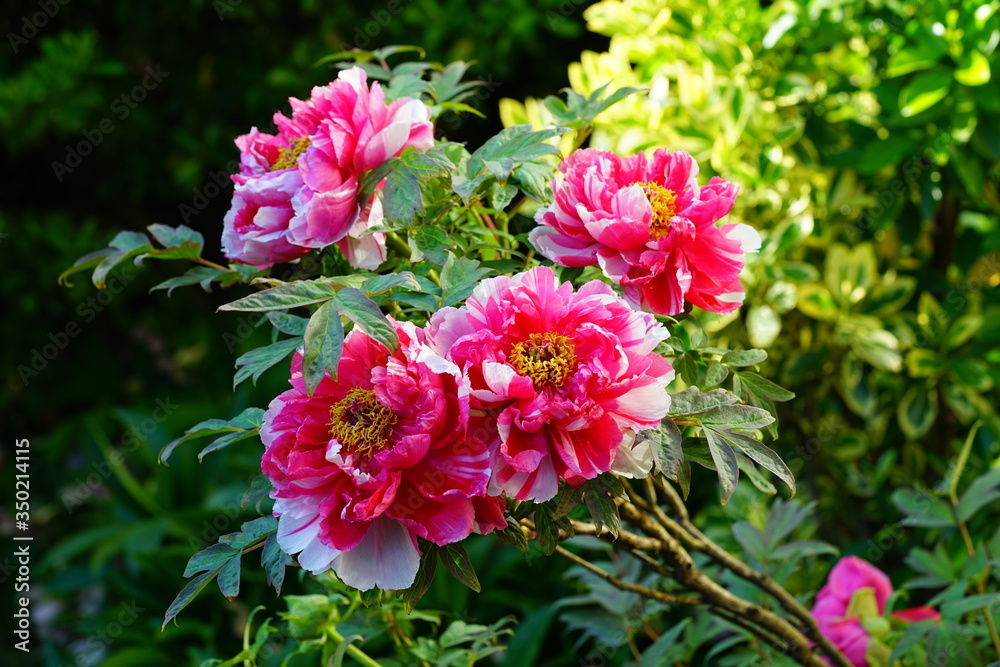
(457, 561)
(288, 295)
(366, 315)
(324, 340)
(255, 362)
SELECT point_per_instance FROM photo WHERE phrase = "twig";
(624, 585)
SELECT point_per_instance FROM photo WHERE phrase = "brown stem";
(761, 580)
(687, 574)
(624, 585)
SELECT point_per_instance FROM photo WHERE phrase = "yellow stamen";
(360, 423)
(289, 157)
(664, 203)
(546, 358)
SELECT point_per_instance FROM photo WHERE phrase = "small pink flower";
(342, 131)
(650, 227)
(848, 576)
(375, 459)
(571, 377)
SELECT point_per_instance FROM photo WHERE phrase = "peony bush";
(484, 342)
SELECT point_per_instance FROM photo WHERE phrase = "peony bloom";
(571, 376)
(650, 227)
(342, 131)
(374, 459)
(851, 606)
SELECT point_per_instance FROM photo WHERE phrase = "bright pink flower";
(255, 230)
(342, 131)
(572, 377)
(650, 227)
(848, 576)
(375, 459)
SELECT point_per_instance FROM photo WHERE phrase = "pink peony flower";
(571, 376)
(374, 459)
(650, 227)
(848, 631)
(342, 131)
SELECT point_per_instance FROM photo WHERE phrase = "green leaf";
(760, 386)
(259, 489)
(225, 441)
(762, 455)
(425, 575)
(255, 362)
(984, 490)
(599, 495)
(401, 197)
(430, 243)
(569, 498)
(324, 340)
(923, 92)
(962, 329)
(203, 275)
(726, 464)
(744, 357)
(293, 325)
(274, 560)
(210, 559)
(922, 509)
(371, 596)
(794, 551)
(288, 295)
(379, 284)
(667, 649)
(958, 608)
(879, 348)
(459, 276)
(693, 401)
(715, 374)
(665, 443)
(914, 58)
(512, 145)
(973, 69)
(457, 561)
(229, 577)
(249, 420)
(366, 315)
(546, 530)
(912, 636)
(513, 535)
(187, 594)
(816, 301)
(725, 417)
(917, 410)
